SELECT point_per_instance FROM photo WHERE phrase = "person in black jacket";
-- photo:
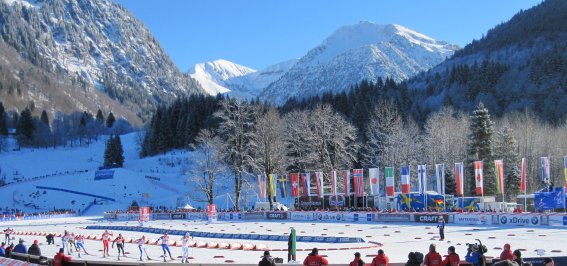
(412, 260)
(34, 249)
(267, 260)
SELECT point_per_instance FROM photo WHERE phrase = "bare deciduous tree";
(207, 168)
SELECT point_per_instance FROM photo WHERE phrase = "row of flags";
(301, 182)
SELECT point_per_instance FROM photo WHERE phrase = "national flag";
(358, 175)
(319, 181)
(373, 175)
(565, 170)
(440, 178)
(499, 174)
(545, 169)
(422, 178)
(305, 180)
(478, 177)
(294, 184)
(346, 179)
(334, 183)
(283, 181)
(523, 175)
(406, 187)
(459, 178)
(389, 172)
(261, 187)
(272, 184)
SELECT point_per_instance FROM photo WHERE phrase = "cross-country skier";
(185, 246)
(7, 233)
(119, 240)
(105, 238)
(165, 245)
(72, 243)
(65, 242)
(80, 240)
(141, 242)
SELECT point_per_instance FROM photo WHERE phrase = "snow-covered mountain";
(98, 44)
(222, 76)
(357, 52)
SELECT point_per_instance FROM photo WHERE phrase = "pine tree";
(110, 120)
(3, 125)
(99, 117)
(109, 152)
(506, 149)
(44, 118)
(480, 149)
(450, 184)
(118, 151)
(25, 128)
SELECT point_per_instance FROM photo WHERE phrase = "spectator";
(548, 262)
(267, 260)
(452, 258)
(506, 253)
(3, 250)
(505, 263)
(60, 258)
(34, 249)
(518, 257)
(381, 259)
(357, 260)
(313, 259)
(291, 245)
(9, 250)
(432, 258)
(441, 226)
(412, 260)
(20, 247)
(50, 239)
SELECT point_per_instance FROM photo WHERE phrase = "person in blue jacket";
(20, 247)
(3, 250)
(475, 255)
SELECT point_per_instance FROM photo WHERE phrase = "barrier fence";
(9, 218)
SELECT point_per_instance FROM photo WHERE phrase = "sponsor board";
(392, 217)
(301, 216)
(177, 216)
(430, 218)
(195, 216)
(519, 219)
(328, 216)
(276, 215)
(110, 216)
(254, 216)
(464, 218)
(564, 220)
(161, 216)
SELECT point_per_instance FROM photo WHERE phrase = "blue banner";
(468, 204)
(415, 201)
(104, 174)
(550, 200)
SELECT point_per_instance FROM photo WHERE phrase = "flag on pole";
(459, 178)
(373, 174)
(319, 181)
(406, 187)
(440, 176)
(422, 178)
(565, 170)
(346, 177)
(499, 174)
(306, 179)
(545, 169)
(358, 175)
(283, 181)
(478, 177)
(272, 184)
(294, 184)
(261, 187)
(523, 175)
(389, 172)
(334, 183)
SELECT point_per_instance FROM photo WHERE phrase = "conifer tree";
(109, 152)
(118, 151)
(25, 128)
(110, 120)
(3, 125)
(480, 149)
(506, 149)
(450, 184)
(99, 117)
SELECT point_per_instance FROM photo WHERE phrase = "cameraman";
(475, 254)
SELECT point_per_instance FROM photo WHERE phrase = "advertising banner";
(429, 218)
(178, 216)
(104, 174)
(212, 212)
(144, 214)
(161, 216)
(329, 216)
(520, 219)
(195, 216)
(464, 218)
(386, 217)
(276, 215)
(301, 216)
(254, 215)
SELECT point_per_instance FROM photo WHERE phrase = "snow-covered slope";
(74, 169)
(357, 52)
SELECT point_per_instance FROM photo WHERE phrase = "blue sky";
(258, 33)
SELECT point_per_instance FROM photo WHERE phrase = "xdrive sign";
(519, 220)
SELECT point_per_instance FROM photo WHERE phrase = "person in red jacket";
(381, 259)
(452, 258)
(432, 258)
(357, 260)
(313, 259)
(60, 258)
(507, 253)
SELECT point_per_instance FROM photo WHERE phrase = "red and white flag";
(358, 175)
(294, 184)
(459, 178)
(374, 184)
(334, 183)
(319, 180)
(346, 179)
(389, 172)
(405, 171)
(478, 177)
(523, 175)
